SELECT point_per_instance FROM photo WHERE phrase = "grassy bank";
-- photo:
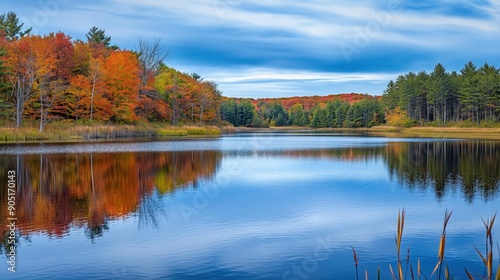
(437, 132)
(391, 131)
(67, 132)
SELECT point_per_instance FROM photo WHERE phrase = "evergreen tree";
(276, 114)
(489, 88)
(98, 36)
(11, 28)
(439, 93)
(229, 112)
(246, 113)
(319, 118)
(297, 115)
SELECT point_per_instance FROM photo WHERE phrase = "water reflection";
(472, 167)
(59, 191)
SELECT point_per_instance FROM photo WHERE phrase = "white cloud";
(263, 74)
(261, 39)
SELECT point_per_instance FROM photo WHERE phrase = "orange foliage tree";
(122, 85)
(53, 78)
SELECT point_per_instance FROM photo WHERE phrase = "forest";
(440, 98)
(53, 78)
(443, 98)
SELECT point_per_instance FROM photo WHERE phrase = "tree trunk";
(40, 128)
(92, 95)
(19, 104)
(201, 114)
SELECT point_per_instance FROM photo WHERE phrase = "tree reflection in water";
(57, 192)
(473, 167)
(62, 191)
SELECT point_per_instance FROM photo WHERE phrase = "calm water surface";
(250, 206)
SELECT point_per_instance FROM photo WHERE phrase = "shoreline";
(391, 132)
(60, 133)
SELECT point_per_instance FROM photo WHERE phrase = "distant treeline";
(345, 110)
(441, 98)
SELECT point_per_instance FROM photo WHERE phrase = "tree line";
(442, 98)
(53, 78)
(337, 112)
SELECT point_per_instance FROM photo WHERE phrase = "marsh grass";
(487, 258)
(203, 130)
(437, 132)
(356, 262)
(441, 270)
(24, 134)
(62, 131)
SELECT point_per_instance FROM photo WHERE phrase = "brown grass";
(442, 246)
(488, 257)
(441, 270)
(66, 131)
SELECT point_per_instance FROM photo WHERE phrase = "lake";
(246, 206)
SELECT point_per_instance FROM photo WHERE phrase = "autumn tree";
(52, 63)
(24, 73)
(88, 85)
(122, 81)
(45, 67)
(208, 100)
(168, 87)
(5, 105)
(59, 84)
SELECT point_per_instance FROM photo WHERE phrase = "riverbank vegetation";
(66, 131)
(53, 79)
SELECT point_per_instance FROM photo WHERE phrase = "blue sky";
(288, 48)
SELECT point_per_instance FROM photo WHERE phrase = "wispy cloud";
(294, 47)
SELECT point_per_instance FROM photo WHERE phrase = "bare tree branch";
(151, 54)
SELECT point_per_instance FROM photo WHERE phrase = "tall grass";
(356, 262)
(24, 134)
(61, 131)
(442, 246)
(487, 258)
(441, 270)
